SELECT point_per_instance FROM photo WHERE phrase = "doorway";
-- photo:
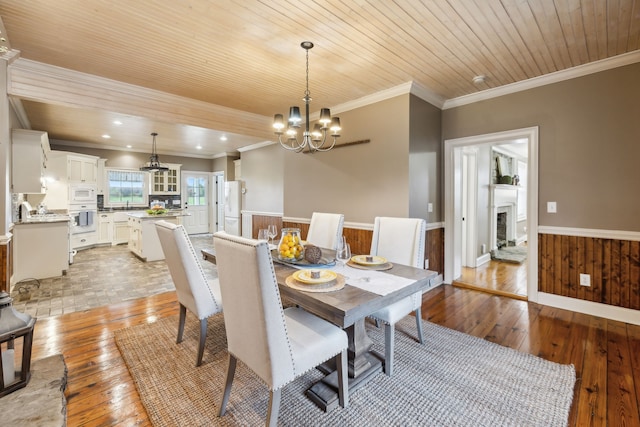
(196, 200)
(461, 247)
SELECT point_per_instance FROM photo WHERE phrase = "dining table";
(364, 292)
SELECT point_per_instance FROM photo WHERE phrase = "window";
(197, 191)
(126, 188)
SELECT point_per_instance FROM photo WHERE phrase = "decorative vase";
(290, 247)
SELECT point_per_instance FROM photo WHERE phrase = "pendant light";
(154, 164)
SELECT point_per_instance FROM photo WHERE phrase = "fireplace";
(503, 216)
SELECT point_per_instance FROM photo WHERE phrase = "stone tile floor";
(101, 276)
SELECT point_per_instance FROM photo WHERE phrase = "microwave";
(82, 193)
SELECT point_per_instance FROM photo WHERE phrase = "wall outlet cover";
(585, 280)
(552, 207)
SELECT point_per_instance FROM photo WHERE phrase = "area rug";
(515, 254)
(41, 403)
(453, 380)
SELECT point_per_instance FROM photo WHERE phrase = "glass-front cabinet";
(166, 182)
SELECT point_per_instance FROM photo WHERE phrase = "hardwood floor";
(606, 354)
(500, 278)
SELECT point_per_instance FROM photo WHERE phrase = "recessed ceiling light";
(117, 122)
(128, 146)
(199, 147)
(105, 136)
(223, 138)
(479, 79)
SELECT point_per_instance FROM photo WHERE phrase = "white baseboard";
(483, 259)
(620, 314)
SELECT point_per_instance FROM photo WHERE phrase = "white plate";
(304, 276)
(362, 260)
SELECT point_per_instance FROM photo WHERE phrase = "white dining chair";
(401, 241)
(278, 344)
(195, 292)
(325, 229)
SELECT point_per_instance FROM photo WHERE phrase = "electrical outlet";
(426, 264)
(429, 207)
(552, 207)
(585, 280)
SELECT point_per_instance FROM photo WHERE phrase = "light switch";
(429, 207)
(551, 207)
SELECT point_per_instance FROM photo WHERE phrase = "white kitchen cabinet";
(84, 240)
(105, 227)
(120, 228)
(167, 182)
(40, 250)
(143, 237)
(101, 176)
(82, 169)
(30, 150)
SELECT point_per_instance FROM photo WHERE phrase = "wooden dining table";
(347, 308)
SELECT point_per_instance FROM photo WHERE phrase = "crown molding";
(256, 146)
(555, 77)
(65, 143)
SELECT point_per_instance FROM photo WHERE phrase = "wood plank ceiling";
(247, 56)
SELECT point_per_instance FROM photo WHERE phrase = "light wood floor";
(606, 354)
(500, 278)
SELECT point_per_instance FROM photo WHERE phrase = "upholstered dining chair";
(195, 292)
(325, 229)
(402, 241)
(278, 344)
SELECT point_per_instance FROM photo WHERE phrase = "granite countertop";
(170, 214)
(39, 219)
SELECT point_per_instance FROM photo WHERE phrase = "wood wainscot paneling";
(360, 241)
(613, 266)
(262, 222)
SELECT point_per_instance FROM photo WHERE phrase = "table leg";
(363, 366)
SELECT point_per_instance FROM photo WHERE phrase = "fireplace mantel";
(504, 198)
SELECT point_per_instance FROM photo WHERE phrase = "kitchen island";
(143, 238)
(40, 247)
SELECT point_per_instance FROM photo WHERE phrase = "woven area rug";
(515, 254)
(453, 380)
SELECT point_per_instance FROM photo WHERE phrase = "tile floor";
(101, 276)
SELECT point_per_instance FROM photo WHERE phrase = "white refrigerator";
(232, 207)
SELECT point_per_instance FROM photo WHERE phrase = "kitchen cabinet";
(143, 238)
(120, 228)
(101, 176)
(40, 249)
(30, 151)
(83, 240)
(105, 227)
(82, 169)
(166, 182)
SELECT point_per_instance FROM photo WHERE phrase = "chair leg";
(419, 325)
(203, 338)
(389, 332)
(231, 370)
(183, 316)
(274, 407)
(343, 379)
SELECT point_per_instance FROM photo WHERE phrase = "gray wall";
(588, 144)
(263, 173)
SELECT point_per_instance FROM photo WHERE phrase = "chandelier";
(314, 140)
(154, 164)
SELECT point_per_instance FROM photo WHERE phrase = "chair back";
(253, 314)
(188, 276)
(400, 240)
(325, 229)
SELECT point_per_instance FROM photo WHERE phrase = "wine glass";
(272, 231)
(263, 234)
(343, 253)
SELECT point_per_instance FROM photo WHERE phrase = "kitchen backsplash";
(172, 201)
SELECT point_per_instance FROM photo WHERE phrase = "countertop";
(169, 214)
(39, 219)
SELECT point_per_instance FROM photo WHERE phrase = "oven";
(82, 194)
(83, 220)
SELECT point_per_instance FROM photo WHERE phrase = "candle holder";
(16, 339)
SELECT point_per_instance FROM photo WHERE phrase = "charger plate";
(362, 260)
(377, 267)
(334, 285)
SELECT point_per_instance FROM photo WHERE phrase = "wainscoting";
(360, 238)
(613, 266)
